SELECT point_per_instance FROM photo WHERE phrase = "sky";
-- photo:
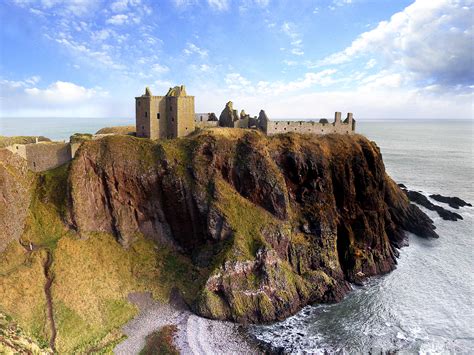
(292, 58)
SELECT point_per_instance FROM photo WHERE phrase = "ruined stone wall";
(45, 156)
(242, 123)
(309, 127)
(19, 149)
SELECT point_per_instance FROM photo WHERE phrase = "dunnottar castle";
(173, 116)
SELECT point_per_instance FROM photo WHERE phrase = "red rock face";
(278, 222)
(15, 195)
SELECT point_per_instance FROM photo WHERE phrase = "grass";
(21, 287)
(44, 224)
(6, 141)
(127, 130)
(13, 340)
(161, 342)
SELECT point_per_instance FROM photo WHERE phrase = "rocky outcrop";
(275, 222)
(422, 200)
(453, 202)
(15, 194)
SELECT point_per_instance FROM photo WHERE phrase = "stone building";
(167, 116)
(173, 116)
(41, 156)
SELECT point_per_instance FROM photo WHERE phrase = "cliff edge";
(273, 223)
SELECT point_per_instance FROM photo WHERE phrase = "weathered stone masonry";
(173, 116)
(44, 155)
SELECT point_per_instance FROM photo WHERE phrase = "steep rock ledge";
(277, 222)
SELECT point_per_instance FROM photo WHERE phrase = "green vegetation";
(125, 130)
(13, 340)
(6, 141)
(80, 137)
(161, 342)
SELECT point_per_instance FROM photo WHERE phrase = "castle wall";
(45, 156)
(181, 107)
(19, 149)
(158, 118)
(142, 115)
(308, 127)
(242, 123)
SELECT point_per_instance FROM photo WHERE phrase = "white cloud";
(184, 3)
(76, 8)
(100, 57)
(191, 48)
(430, 38)
(59, 99)
(160, 69)
(119, 19)
(296, 42)
(61, 92)
(119, 5)
(370, 64)
(235, 81)
(220, 5)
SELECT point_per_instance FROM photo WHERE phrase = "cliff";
(273, 223)
(239, 225)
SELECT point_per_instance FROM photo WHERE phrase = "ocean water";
(57, 128)
(426, 304)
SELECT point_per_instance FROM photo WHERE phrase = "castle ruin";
(173, 116)
(169, 116)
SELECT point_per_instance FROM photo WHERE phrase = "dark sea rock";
(454, 202)
(422, 200)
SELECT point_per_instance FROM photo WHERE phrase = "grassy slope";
(92, 275)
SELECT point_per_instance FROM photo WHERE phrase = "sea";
(424, 306)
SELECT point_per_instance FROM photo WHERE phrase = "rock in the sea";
(422, 200)
(275, 223)
(454, 202)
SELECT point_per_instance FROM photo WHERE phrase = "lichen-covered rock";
(275, 222)
(15, 193)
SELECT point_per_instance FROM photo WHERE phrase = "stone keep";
(169, 116)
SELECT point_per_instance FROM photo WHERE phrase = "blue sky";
(377, 58)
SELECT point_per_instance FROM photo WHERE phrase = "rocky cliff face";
(15, 194)
(275, 222)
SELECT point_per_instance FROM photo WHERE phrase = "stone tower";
(169, 116)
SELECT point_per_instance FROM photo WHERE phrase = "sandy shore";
(195, 335)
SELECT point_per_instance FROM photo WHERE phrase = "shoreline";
(195, 335)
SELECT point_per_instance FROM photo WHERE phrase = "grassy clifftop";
(6, 141)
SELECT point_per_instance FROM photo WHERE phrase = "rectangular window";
(146, 114)
(171, 108)
(158, 116)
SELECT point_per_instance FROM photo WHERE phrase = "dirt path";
(49, 299)
(195, 335)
